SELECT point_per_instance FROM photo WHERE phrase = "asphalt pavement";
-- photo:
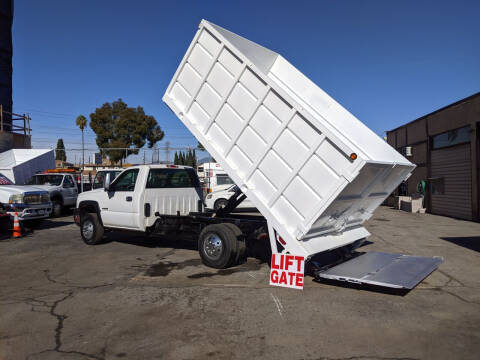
(145, 298)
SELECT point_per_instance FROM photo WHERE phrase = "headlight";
(16, 199)
(209, 196)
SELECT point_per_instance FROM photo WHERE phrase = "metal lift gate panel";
(384, 269)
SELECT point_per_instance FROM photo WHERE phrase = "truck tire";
(218, 246)
(56, 208)
(241, 243)
(91, 229)
(220, 203)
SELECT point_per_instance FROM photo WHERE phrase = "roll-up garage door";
(452, 182)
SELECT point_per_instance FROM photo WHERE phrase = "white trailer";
(314, 171)
(19, 165)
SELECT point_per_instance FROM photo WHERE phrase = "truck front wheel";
(91, 229)
(56, 208)
(219, 246)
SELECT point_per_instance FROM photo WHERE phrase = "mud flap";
(383, 269)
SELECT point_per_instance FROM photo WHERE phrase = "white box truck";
(314, 171)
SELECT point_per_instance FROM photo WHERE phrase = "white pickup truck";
(61, 187)
(163, 199)
(30, 203)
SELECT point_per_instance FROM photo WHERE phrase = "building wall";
(419, 133)
(6, 21)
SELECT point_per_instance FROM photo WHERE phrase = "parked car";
(61, 187)
(218, 199)
(30, 203)
(101, 175)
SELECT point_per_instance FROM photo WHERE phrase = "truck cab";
(138, 196)
(30, 203)
(61, 187)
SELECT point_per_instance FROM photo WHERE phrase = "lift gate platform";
(383, 269)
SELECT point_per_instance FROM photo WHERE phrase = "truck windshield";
(4, 180)
(223, 179)
(45, 180)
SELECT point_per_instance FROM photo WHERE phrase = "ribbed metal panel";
(454, 165)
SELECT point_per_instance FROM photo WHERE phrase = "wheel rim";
(213, 247)
(87, 229)
(221, 204)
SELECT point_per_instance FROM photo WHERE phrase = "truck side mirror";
(106, 182)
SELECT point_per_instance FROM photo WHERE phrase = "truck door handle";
(129, 198)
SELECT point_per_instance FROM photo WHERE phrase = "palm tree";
(82, 124)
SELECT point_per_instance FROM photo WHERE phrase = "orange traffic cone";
(17, 231)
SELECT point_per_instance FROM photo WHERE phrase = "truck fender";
(90, 206)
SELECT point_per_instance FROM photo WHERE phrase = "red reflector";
(172, 166)
(283, 242)
(262, 236)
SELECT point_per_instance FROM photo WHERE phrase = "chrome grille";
(36, 198)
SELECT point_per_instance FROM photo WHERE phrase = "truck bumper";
(76, 216)
(29, 212)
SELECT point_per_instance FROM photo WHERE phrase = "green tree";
(119, 127)
(175, 159)
(60, 151)
(181, 158)
(194, 159)
(81, 122)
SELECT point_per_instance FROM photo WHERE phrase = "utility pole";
(167, 151)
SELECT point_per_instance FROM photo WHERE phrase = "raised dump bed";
(313, 170)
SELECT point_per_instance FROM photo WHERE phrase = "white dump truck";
(314, 171)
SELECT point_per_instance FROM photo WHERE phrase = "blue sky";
(386, 62)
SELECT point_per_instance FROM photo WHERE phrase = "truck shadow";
(363, 287)
(137, 239)
(259, 250)
(469, 242)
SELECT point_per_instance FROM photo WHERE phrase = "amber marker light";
(353, 156)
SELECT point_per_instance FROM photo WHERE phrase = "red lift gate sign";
(287, 271)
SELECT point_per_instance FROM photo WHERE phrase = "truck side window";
(68, 182)
(126, 181)
(172, 178)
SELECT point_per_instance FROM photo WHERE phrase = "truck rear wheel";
(91, 229)
(219, 245)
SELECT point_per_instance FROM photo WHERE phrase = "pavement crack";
(450, 278)
(60, 318)
(52, 280)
